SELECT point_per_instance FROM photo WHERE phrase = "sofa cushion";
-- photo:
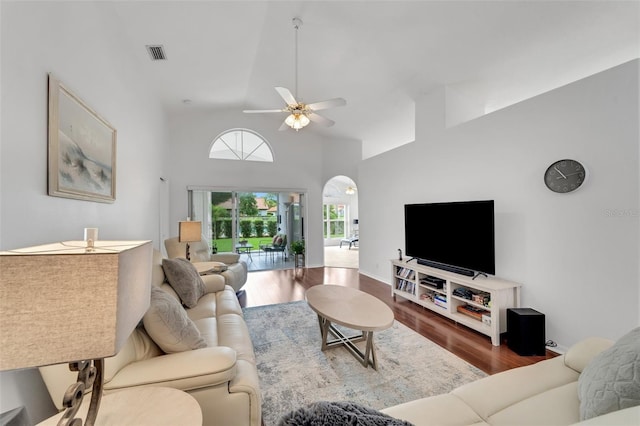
(611, 381)
(227, 303)
(184, 279)
(169, 326)
(512, 386)
(206, 307)
(233, 332)
(557, 406)
(439, 410)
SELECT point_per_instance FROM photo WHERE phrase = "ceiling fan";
(300, 114)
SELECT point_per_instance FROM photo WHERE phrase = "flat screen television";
(454, 236)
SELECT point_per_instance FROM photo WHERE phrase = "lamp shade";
(61, 303)
(189, 231)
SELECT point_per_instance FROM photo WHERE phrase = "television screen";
(452, 236)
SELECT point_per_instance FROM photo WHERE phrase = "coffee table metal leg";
(324, 330)
(367, 358)
(370, 351)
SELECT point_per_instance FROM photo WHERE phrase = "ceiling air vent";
(156, 52)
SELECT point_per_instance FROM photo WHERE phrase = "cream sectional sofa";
(545, 393)
(222, 376)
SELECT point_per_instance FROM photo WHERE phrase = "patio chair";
(277, 245)
(352, 240)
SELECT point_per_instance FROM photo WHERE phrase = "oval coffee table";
(353, 309)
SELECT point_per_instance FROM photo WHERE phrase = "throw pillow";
(185, 280)
(611, 381)
(168, 325)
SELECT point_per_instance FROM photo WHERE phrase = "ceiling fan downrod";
(297, 23)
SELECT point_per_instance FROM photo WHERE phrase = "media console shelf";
(480, 304)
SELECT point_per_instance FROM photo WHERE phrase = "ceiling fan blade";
(252, 111)
(317, 118)
(329, 103)
(286, 95)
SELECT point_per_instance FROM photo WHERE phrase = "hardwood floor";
(281, 286)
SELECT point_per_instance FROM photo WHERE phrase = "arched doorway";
(340, 222)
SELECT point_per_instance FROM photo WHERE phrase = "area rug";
(293, 371)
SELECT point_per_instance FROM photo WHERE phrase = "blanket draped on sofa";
(338, 413)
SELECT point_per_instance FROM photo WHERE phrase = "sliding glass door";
(241, 221)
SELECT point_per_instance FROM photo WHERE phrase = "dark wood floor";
(270, 287)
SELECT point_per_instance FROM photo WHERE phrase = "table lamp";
(62, 303)
(189, 232)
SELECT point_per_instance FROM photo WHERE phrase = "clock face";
(565, 176)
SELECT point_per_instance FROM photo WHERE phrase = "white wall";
(88, 56)
(300, 160)
(576, 254)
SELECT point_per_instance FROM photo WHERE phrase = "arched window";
(241, 144)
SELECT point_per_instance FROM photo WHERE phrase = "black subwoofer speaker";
(525, 331)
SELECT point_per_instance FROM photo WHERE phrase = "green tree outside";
(271, 199)
(220, 197)
(248, 205)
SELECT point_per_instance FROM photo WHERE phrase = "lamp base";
(90, 374)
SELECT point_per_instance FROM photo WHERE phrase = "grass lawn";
(225, 244)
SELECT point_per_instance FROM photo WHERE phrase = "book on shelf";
(473, 312)
(401, 284)
(405, 285)
(440, 303)
(405, 273)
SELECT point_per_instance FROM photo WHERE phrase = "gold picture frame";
(82, 149)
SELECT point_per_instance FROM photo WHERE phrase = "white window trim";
(243, 155)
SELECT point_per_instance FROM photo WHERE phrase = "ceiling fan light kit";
(300, 114)
(297, 121)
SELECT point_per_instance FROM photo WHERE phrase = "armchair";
(236, 273)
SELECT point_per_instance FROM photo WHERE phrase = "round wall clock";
(565, 176)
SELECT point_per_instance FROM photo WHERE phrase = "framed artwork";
(82, 149)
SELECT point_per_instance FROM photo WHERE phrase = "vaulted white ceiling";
(378, 55)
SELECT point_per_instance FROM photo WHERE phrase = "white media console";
(480, 303)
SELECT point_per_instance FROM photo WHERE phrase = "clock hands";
(562, 174)
(567, 175)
